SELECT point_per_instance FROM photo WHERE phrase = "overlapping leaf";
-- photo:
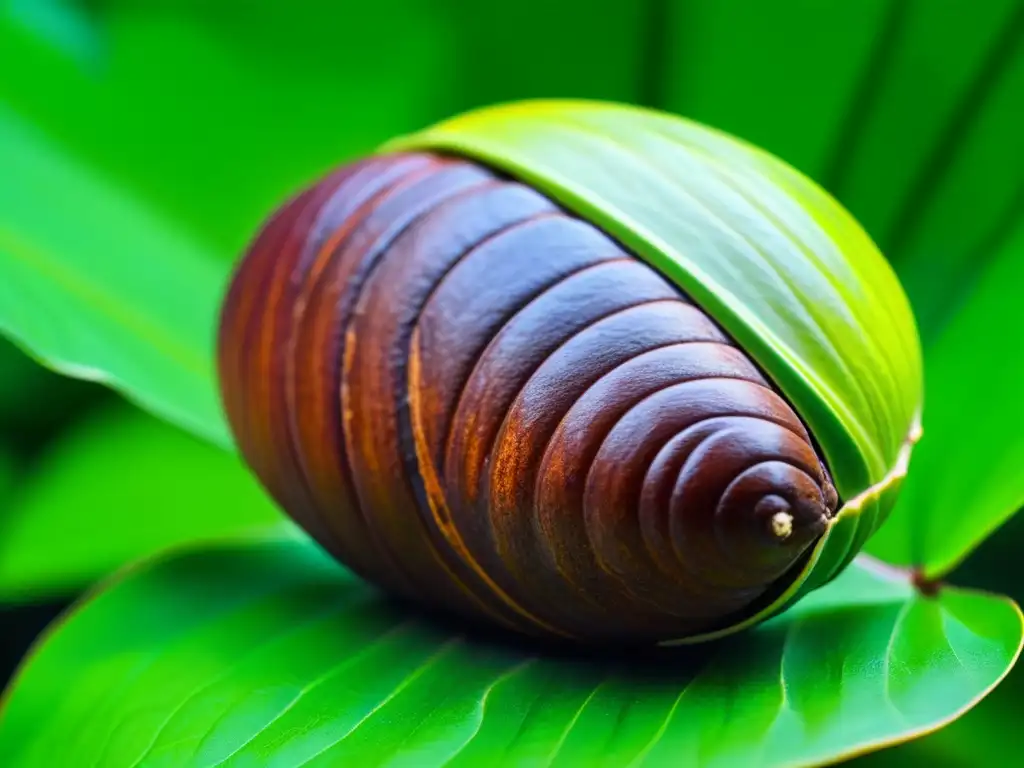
(270, 655)
(909, 112)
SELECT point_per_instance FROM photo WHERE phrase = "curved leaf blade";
(762, 249)
(211, 116)
(984, 736)
(119, 486)
(966, 477)
(112, 293)
(269, 654)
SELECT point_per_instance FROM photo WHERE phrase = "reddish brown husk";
(481, 402)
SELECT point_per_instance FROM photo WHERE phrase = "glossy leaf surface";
(768, 254)
(987, 735)
(117, 487)
(268, 654)
(114, 293)
(966, 477)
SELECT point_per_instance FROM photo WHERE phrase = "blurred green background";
(206, 114)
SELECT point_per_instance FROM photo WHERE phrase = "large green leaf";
(211, 115)
(989, 733)
(270, 655)
(933, 156)
(909, 112)
(953, 214)
(966, 477)
(119, 486)
(970, 197)
(101, 288)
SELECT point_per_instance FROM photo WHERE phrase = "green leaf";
(268, 654)
(211, 116)
(119, 485)
(971, 197)
(768, 254)
(111, 292)
(965, 479)
(939, 118)
(922, 144)
(987, 735)
(785, 76)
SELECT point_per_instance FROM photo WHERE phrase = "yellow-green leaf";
(764, 250)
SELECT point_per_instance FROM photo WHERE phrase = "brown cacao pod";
(479, 400)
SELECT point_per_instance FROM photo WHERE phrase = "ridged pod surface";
(480, 401)
(477, 398)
